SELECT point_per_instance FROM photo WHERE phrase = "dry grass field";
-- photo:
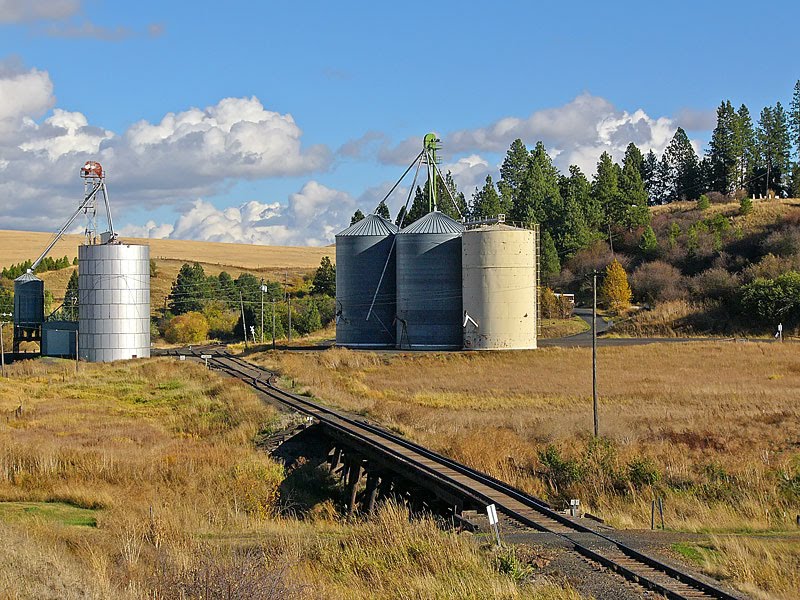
(18, 246)
(713, 428)
(142, 480)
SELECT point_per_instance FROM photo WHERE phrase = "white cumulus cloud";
(312, 217)
(188, 154)
(575, 133)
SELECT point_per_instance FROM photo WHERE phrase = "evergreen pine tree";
(774, 148)
(649, 242)
(383, 210)
(401, 219)
(324, 281)
(744, 145)
(549, 261)
(632, 190)
(71, 297)
(486, 200)
(449, 197)
(794, 120)
(722, 150)
(682, 165)
(539, 198)
(605, 189)
(357, 216)
(512, 174)
(419, 207)
(649, 170)
(189, 291)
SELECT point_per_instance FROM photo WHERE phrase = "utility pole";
(273, 323)
(262, 310)
(594, 353)
(244, 324)
(288, 305)
(2, 347)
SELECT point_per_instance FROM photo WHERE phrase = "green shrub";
(745, 206)
(770, 301)
(643, 472)
(703, 202)
(558, 471)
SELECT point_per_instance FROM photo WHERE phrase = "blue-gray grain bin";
(429, 284)
(28, 301)
(365, 272)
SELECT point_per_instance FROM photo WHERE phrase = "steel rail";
(679, 585)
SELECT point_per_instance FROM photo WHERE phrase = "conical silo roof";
(372, 224)
(27, 277)
(434, 222)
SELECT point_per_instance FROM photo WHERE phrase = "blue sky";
(288, 116)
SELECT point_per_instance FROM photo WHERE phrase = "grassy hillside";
(694, 279)
(710, 427)
(142, 480)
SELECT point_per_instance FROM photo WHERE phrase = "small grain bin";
(28, 309)
(429, 283)
(365, 284)
(499, 288)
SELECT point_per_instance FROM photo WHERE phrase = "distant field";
(270, 262)
(18, 246)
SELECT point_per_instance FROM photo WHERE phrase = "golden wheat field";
(18, 246)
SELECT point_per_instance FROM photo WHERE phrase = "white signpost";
(491, 512)
(205, 357)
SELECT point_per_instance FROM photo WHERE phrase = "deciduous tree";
(615, 291)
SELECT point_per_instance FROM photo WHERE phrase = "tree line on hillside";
(743, 159)
(47, 264)
(200, 306)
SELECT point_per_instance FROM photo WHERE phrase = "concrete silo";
(365, 284)
(113, 302)
(28, 309)
(429, 283)
(499, 288)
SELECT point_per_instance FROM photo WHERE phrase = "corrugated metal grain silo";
(499, 288)
(429, 283)
(113, 302)
(365, 263)
(28, 309)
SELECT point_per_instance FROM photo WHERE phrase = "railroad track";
(597, 546)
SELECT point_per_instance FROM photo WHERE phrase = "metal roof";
(372, 224)
(27, 277)
(434, 222)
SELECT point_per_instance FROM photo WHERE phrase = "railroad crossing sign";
(491, 512)
(205, 357)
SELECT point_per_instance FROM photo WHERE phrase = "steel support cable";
(394, 187)
(418, 161)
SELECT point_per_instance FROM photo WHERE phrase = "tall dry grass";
(186, 507)
(712, 424)
(711, 428)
